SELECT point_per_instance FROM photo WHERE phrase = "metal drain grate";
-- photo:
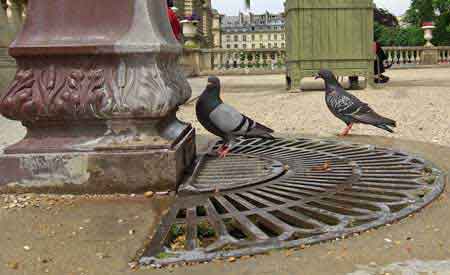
(234, 171)
(299, 192)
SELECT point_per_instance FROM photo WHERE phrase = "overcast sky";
(232, 7)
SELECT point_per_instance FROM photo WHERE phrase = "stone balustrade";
(444, 55)
(413, 56)
(401, 56)
(267, 61)
(233, 61)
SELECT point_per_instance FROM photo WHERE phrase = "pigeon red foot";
(223, 151)
(346, 130)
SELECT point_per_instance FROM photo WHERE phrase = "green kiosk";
(332, 34)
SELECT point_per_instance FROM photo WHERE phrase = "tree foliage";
(420, 11)
(396, 36)
(437, 11)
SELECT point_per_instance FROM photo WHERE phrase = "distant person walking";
(380, 68)
(174, 22)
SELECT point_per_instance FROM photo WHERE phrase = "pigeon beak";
(317, 76)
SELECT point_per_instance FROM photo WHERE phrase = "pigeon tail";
(384, 127)
(259, 130)
(386, 121)
(264, 128)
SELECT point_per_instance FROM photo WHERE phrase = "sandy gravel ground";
(419, 100)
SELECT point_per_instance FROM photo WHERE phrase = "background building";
(201, 9)
(253, 31)
(216, 29)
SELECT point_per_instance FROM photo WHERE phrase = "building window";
(228, 38)
(275, 37)
(282, 36)
(270, 45)
(236, 46)
(244, 37)
(253, 37)
(228, 46)
(261, 45)
(253, 46)
(261, 37)
(236, 38)
(282, 45)
(244, 46)
(270, 37)
(276, 45)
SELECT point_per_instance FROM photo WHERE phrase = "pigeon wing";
(345, 104)
(350, 105)
(369, 116)
(231, 121)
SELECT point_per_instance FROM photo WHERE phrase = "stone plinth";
(98, 90)
(430, 56)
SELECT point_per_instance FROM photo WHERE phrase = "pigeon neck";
(331, 83)
(213, 94)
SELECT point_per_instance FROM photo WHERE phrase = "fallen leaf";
(149, 194)
(13, 265)
(323, 168)
(232, 259)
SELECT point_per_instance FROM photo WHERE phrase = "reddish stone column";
(98, 88)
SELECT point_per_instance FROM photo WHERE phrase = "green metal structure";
(332, 34)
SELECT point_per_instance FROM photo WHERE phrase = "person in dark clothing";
(379, 67)
(174, 22)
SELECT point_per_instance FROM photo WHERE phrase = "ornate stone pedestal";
(98, 90)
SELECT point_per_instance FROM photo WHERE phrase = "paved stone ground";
(95, 235)
(407, 268)
(99, 235)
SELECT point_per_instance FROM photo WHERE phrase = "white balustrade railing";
(444, 55)
(404, 56)
(254, 59)
(266, 60)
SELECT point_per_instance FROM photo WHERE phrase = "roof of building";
(253, 22)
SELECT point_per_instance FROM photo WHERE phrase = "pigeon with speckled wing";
(349, 108)
(225, 121)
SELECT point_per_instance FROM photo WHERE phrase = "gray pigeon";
(225, 121)
(349, 108)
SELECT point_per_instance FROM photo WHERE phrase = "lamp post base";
(107, 170)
